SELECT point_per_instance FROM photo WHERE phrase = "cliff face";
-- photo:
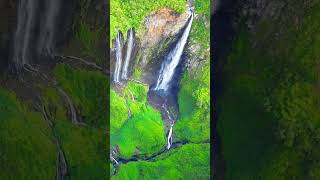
(8, 19)
(266, 106)
(162, 31)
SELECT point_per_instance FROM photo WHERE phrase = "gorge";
(145, 111)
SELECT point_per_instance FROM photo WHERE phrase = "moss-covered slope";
(268, 114)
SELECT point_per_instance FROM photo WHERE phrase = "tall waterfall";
(23, 35)
(47, 34)
(172, 60)
(31, 20)
(130, 45)
(117, 69)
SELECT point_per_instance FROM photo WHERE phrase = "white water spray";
(171, 62)
(170, 139)
(119, 46)
(130, 46)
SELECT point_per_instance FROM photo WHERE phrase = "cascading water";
(29, 23)
(117, 69)
(170, 139)
(172, 60)
(73, 113)
(47, 34)
(130, 45)
(23, 35)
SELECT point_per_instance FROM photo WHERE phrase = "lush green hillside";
(194, 95)
(187, 162)
(85, 146)
(28, 143)
(268, 116)
(27, 147)
(143, 132)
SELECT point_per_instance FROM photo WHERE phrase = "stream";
(163, 84)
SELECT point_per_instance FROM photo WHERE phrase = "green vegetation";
(88, 40)
(87, 89)
(200, 33)
(118, 112)
(27, 147)
(194, 96)
(143, 132)
(128, 14)
(85, 147)
(194, 105)
(28, 141)
(202, 7)
(187, 162)
(137, 73)
(138, 129)
(269, 115)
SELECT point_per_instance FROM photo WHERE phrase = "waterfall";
(170, 137)
(31, 19)
(172, 60)
(117, 69)
(72, 109)
(47, 33)
(23, 35)
(130, 45)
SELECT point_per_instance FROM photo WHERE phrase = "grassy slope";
(269, 115)
(143, 132)
(85, 147)
(88, 90)
(187, 162)
(27, 147)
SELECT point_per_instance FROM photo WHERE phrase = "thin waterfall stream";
(130, 45)
(72, 109)
(119, 47)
